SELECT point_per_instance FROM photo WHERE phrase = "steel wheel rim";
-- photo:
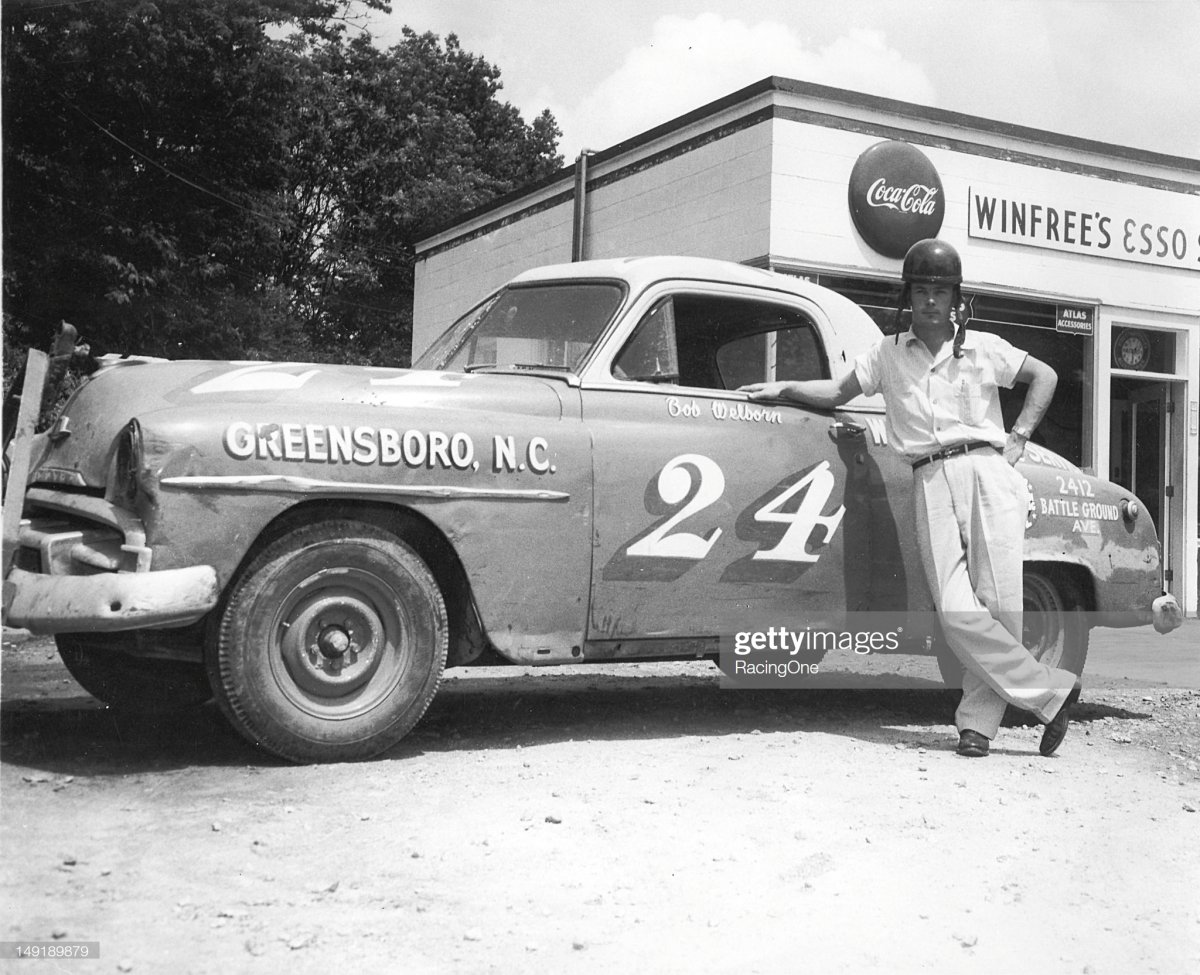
(339, 643)
(1042, 626)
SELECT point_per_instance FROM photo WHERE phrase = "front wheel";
(331, 644)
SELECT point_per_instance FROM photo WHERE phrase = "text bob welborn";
(781, 657)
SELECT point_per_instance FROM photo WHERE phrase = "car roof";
(854, 328)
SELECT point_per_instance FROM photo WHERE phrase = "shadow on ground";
(76, 735)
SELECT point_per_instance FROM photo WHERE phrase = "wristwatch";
(1023, 432)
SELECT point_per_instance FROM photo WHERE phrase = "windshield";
(542, 326)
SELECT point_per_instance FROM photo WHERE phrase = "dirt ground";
(633, 818)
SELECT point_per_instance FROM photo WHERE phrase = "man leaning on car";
(941, 384)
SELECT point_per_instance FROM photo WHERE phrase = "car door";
(711, 512)
(887, 580)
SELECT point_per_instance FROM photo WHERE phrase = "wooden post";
(19, 455)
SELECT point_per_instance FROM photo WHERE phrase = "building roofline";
(946, 117)
(854, 99)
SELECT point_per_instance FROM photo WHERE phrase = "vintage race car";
(568, 475)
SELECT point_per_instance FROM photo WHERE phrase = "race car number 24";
(694, 482)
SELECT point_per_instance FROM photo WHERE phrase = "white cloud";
(688, 62)
(862, 61)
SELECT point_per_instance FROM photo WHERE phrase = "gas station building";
(1084, 254)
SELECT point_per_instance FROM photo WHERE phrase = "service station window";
(1030, 326)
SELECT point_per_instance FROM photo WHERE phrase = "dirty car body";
(568, 475)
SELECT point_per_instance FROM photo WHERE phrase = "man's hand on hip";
(1014, 448)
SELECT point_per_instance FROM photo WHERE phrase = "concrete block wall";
(713, 200)
(707, 198)
(450, 281)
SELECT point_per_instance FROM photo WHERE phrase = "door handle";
(845, 430)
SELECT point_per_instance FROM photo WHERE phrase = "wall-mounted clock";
(1131, 349)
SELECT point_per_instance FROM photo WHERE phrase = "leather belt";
(961, 448)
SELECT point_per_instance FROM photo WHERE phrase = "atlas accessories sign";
(1075, 319)
(895, 197)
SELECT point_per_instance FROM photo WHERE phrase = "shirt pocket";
(970, 388)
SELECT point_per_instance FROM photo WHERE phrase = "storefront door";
(1140, 453)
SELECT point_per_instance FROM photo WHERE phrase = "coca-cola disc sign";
(896, 197)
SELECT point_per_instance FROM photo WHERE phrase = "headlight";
(1130, 510)
(127, 466)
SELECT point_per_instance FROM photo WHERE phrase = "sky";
(1124, 72)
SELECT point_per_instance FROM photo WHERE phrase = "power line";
(159, 166)
(230, 269)
(43, 5)
(268, 217)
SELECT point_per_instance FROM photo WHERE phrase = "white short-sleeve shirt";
(937, 402)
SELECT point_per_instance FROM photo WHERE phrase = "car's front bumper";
(108, 601)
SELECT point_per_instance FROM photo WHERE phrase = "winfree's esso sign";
(895, 197)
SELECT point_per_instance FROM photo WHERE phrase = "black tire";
(331, 644)
(949, 667)
(129, 682)
(1056, 629)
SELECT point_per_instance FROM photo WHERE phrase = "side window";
(785, 353)
(721, 342)
(650, 356)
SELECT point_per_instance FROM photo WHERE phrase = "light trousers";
(971, 512)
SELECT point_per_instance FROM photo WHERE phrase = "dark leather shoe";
(972, 744)
(1056, 727)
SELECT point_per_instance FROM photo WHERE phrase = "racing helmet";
(933, 261)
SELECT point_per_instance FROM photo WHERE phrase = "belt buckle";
(944, 454)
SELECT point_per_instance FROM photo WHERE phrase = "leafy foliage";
(237, 178)
(390, 145)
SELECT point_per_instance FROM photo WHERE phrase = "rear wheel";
(128, 681)
(331, 645)
(949, 667)
(1055, 625)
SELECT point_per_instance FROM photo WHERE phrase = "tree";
(234, 178)
(391, 145)
(142, 163)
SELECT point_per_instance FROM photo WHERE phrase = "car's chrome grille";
(66, 549)
(68, 533)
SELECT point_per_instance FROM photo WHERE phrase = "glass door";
(1140, 450)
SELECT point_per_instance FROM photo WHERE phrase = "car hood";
(172, 398)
